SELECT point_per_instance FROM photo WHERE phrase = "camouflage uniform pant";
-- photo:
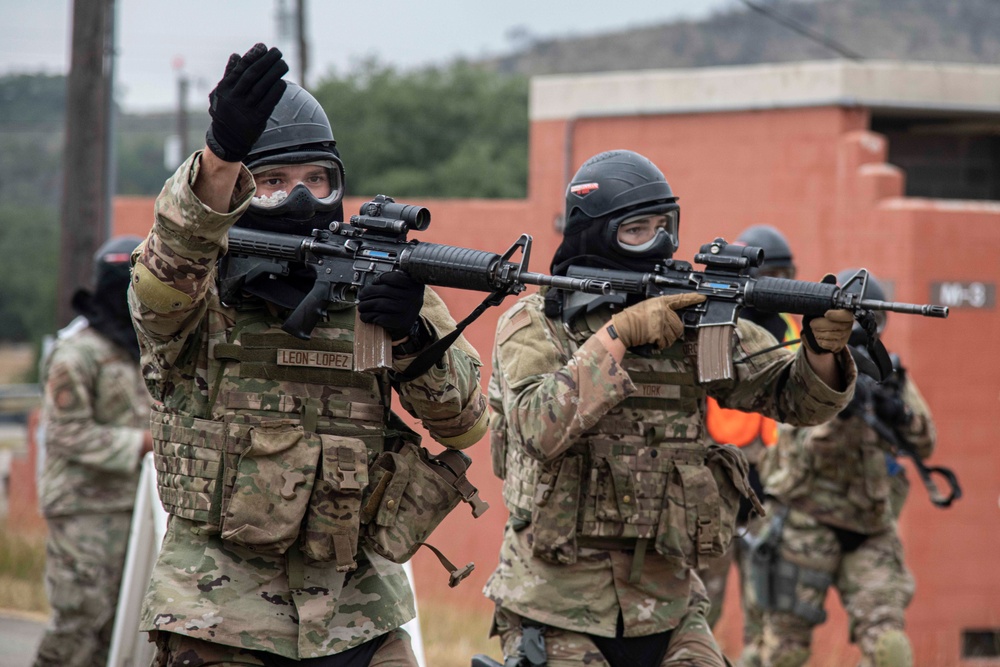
(874, 585)
(173, 650)
(691, 645)
(715, 574)
(85, 556)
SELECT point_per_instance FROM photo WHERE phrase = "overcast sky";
(153, 36)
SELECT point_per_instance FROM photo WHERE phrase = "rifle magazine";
(372, 347)
(715, 354)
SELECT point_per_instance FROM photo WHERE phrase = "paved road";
(19, 637)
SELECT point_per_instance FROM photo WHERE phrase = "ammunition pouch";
(266, 484)
(686, 512)
(556, 506)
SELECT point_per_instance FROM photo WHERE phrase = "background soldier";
(96, 423)
(264, 464)
(614, 494)
(836, 496)
(752, 433)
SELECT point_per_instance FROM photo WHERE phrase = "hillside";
(917, 30)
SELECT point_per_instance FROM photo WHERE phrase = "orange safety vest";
(743, 428)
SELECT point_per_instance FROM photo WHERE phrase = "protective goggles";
(299, 198)
(654, 227)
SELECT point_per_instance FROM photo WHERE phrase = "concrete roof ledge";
(875, 84)
(940, 205)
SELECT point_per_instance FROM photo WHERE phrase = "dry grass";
(22, 572)
(16, 361)
(453, 634)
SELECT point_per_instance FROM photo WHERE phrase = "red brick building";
(891, 166)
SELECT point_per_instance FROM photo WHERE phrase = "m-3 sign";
(964, 295)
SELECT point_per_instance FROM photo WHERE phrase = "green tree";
(456, 131)
(29, 242)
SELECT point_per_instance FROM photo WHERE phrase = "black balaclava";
(106, 307)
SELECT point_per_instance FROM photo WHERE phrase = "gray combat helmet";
(777, 252)
(297, 132)
(873, 290)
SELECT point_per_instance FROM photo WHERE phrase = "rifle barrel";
(588, 285)
(927, 310)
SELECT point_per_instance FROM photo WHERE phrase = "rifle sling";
(435, 351)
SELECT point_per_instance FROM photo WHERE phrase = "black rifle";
(727, 283)
(863, 406)
(346, 257)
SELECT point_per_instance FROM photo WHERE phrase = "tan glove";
(654, 321)
(830, 332)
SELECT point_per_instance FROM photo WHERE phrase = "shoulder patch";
(517, 321)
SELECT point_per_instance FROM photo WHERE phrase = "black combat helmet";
(298, 132)
(112, 263)
(777, 252)
(610, 189)
(106, 305)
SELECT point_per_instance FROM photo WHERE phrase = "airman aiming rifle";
(727, 283)
(346, 257)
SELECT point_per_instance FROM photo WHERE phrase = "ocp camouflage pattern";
(95, 413)
(260, 433)
(837, 471)
(583, 432)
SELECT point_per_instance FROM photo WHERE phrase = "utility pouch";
(614, 496)
(333, 520)
(731, 471)
(700, 506)
(557, 504)
(412, 492)
(273, 483)
(672, 541)
(689, 524)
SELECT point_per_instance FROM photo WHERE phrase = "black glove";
(392, 301)
(890, 408)
(243, 100)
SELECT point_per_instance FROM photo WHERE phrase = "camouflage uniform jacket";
(555, 392)
(95, 413)
(837, 472)
(212, 588)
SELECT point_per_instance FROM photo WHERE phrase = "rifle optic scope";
(718, 253)
(415, 217)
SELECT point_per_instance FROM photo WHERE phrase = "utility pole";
(300, 32)
(85, 215)
(291, 30)
(182, 120)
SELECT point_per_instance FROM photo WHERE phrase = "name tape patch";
(657, 391)
(316, 359)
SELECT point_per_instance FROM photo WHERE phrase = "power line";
(804, 30)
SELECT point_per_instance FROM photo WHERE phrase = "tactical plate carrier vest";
(642, 475)
(292, 447)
